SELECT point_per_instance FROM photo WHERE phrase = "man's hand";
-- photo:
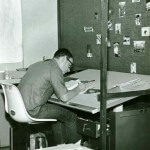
(82, 87)
(85, 86)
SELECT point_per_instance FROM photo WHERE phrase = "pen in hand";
(87, 81)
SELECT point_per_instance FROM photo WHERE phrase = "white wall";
(39, 39)
(39, 29)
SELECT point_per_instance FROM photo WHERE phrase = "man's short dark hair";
(63, 52)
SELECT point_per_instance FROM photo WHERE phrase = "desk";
(15, 77)
(90, 103)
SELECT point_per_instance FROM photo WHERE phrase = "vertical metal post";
(103, 77)
(59, 23)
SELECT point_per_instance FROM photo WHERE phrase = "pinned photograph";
(110, 11)
(135, 1)
(138, 19)
(96, 15)
(116, 49)
(133, 67)
(110, 26)
(118, 28)
(139, 46)
(88, 29)
(122, 7)
(145, 31)
(126, 40)
(108, 43)
(148, 5)
(98, 39)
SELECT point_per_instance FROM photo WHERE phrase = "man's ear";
(62, 59)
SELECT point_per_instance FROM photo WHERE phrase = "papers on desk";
(134, 85)
(88, 85)
(66, 147)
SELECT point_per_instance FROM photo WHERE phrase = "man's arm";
(72, 93)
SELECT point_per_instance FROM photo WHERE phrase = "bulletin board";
(128, 34)
(10, 31)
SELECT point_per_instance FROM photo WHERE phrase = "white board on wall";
(10, 31)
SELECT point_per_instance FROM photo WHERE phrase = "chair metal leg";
(11, 139)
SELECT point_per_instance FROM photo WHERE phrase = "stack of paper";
(66, 147)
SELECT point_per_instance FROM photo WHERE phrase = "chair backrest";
(14, 104)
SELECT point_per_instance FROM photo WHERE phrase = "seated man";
(44, 78)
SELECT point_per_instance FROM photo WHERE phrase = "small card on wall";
(126, 40)
(118, 28)
(98, 39)
(148, 5)
(133, 67)
(110, 26)
(145, 31)
(88, 29)
(135, 1)
(116, 49)
(139, 46)
(122, 7)
(138, 19)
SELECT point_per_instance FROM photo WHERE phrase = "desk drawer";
(88, 128)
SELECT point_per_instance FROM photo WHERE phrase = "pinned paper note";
(138, 19)
(133, 67)
(88, 29)
(118, 28)
(145, 31)
(126, 40)
(122, 7)
(139, 46)
(98, 39)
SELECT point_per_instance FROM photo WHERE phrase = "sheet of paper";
(10, 31)
(88, 85)
(72, 84)
(66, 147)
(133, 85)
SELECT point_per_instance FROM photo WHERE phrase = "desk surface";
(89, 102)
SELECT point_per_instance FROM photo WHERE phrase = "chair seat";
(14, 105)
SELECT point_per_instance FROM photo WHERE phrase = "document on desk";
(134, 85)
(66, 147)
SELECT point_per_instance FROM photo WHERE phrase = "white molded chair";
(15, 107)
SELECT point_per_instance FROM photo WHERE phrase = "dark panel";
(130, 130)
(75, 15)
